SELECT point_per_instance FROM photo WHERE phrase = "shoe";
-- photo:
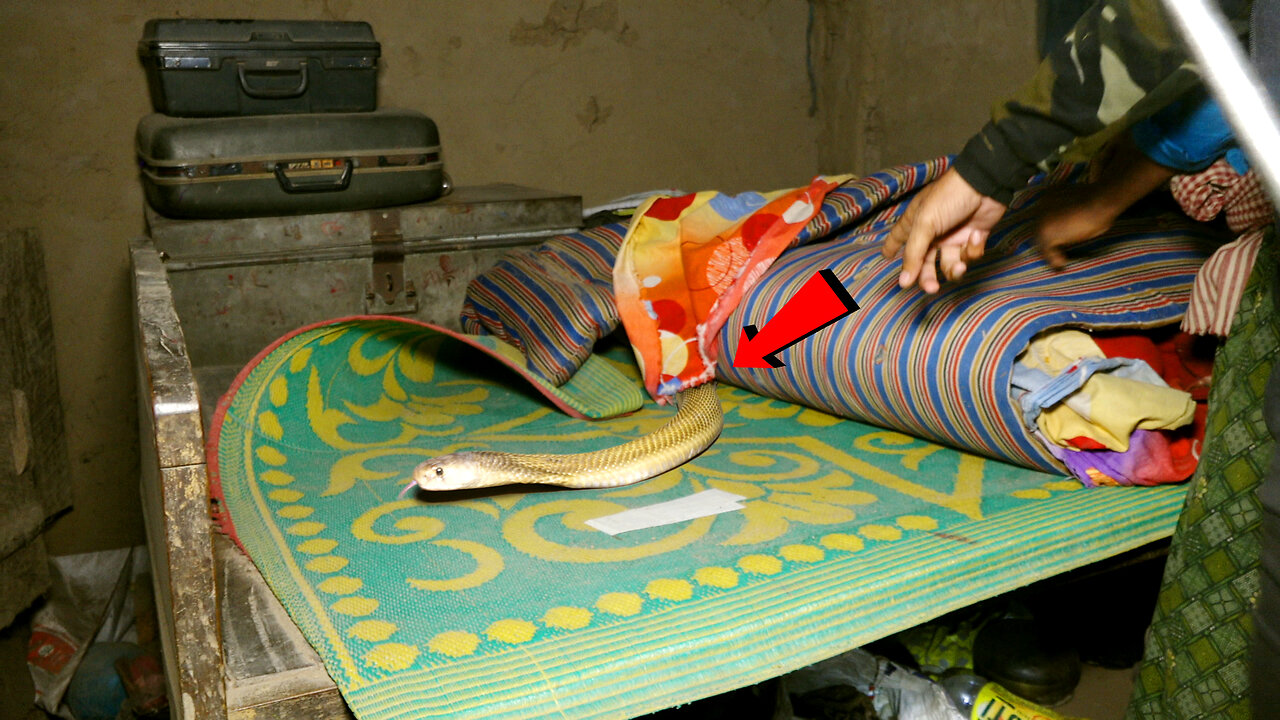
(1025, 658)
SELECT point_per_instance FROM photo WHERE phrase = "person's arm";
(1121, 62)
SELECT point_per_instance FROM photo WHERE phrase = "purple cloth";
(1149, 461)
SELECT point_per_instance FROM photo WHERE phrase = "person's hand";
(1070, 215)
(945, 227)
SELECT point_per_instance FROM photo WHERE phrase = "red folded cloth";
(1185, 362)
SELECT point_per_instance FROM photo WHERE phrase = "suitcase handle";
(290, 185)
(254, 92)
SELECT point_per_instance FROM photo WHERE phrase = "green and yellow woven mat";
(504, 604)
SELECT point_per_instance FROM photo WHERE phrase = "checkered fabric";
(1195, 664)
(1219, 189)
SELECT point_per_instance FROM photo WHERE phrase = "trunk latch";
(388, 292)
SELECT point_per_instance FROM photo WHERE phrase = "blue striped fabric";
(552, 301)
(938, 367)
(932, 366)
(852, 201)
(555, 300)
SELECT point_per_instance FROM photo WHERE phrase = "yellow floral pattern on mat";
(321, 436)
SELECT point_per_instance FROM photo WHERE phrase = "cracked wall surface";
(599, 97)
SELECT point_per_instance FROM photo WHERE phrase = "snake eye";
(439, 471)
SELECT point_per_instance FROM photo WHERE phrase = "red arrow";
(820, 301)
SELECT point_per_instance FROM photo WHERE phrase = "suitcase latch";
(388, 292)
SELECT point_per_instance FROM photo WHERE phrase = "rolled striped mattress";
(933, 366)
(938, 366)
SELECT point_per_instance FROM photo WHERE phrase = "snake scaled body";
(696, 424)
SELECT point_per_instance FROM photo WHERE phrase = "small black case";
(207, 68)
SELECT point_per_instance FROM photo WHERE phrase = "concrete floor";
(1102, 694)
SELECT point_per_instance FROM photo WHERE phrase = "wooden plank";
(35, 482)
(259, 638)
(271, 669)
(167, 385)
(26, 329)
(175, 498)
(183, 579)
(318, 705)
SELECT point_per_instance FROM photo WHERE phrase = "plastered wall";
(597, 97)
(901, 81)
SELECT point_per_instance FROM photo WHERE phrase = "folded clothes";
(1150, 460)
(1071, 389)
(1109, 419)
(1182, 359)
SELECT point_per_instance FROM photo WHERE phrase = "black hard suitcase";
(207, 68)
(288, 164)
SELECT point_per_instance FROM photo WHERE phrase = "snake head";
(447, 472)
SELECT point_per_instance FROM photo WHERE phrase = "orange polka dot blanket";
(686, 263)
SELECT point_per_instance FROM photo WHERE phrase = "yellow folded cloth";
(1109, 407)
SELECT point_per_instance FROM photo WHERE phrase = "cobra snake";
(696, 424)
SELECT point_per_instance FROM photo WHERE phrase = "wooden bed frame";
(230, 649)
(231, 652)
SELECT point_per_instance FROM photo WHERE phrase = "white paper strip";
(707, 502)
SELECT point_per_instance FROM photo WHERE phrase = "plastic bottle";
(980, 699)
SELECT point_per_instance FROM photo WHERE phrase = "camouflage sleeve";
(1122, 61)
